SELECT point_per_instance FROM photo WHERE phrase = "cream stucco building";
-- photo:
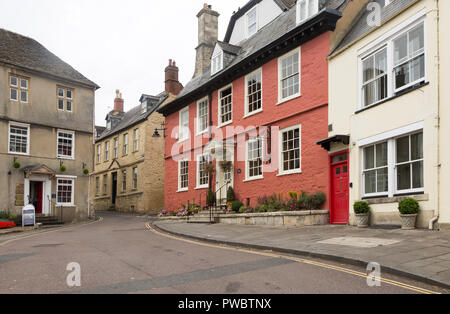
(389, 114)
(46, 127)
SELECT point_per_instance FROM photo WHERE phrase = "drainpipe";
(438, 167)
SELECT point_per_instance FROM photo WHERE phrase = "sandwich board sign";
(28, 216)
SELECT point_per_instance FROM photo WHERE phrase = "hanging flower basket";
(16, 165)
(209, 168)
(226, 165)
(86, 171)
(63, 168)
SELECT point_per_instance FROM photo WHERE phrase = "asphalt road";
(120, 255)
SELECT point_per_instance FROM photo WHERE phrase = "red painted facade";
(310, 110)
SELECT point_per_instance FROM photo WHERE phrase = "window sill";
(253, 179)
(183, 191)
(397, 198)
(225, 124)
(202, 188)
(282, 174)
(251, 114)
(398, 94)
(19, 154)
(282, 101)
(65, 157)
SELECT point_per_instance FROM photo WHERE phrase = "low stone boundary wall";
(277, 219)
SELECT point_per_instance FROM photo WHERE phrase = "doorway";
(340, 188)
(37, 195)
(114, 188)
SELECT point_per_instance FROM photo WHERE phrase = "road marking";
(298, 260)
(47, 232)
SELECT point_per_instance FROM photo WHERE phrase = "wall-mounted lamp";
(156, 134)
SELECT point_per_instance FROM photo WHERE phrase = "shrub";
(361, 208)
(231, 196)
(7, 216)
(211, 198)
(409, 206)
(236, 206)
(243, 209)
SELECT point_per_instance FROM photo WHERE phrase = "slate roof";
(28, 54)
(281, 25)
(361, 27)
(132, 117)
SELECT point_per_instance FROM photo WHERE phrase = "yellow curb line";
(51, 231)
(298, 260)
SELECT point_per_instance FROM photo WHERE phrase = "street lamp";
(156, 134)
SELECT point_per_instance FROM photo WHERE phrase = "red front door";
(39, 194)
(339, 189)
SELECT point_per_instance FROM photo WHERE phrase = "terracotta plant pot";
(408, 222)
(362, 220)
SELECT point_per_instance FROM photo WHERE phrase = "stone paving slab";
(419, 254)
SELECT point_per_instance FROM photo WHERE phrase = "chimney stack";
(172, 84)
(118, 102)
(208, 34)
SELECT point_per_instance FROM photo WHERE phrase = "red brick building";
(258, 100)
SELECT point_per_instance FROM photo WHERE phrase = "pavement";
(122, 254)
(419, 254)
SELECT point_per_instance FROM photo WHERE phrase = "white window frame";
(281, 172)
(136, 140)
(307, 8)
(202, 101)
(19, 89)
(99, 153)
(391, 138)
(217, 63)
(375, 78)
(107, 151)
(246, 111)
(247, 25)
(389, 168)
(219, 106)
(116, 148)
(126, 143)
(181, 129)
(72, 157)
(387, 41)
(181, 189)
(280, 72)
(247, 168)
(67, 178)
(135, 182)
(65, 98)
(209, 159)
(20, 125)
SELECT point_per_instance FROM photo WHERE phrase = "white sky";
(115, 43)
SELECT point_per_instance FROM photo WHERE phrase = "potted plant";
(362, 213)
(409, 209)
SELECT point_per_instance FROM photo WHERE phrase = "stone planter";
(362, 220)
(408, 222)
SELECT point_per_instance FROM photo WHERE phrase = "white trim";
(219, 106)
(219, 68)
(46, 191)
(180, 126)
(197, 124)
(247, 170)
(68, 178)
(204, 186)
(391, 134)
(246, 103)
(307, 16)
(280, 150)
(247, 34)
(59, 176)
(72, 157)
(280, 87)
(179, 176)
(20, 125)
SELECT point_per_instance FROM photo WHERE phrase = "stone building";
(129, 157)
(46, 127)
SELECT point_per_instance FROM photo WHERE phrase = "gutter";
(435, 219)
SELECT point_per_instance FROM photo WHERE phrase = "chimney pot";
(172, 85)
(208, 34)
(118, 102)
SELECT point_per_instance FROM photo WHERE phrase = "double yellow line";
(298, 260)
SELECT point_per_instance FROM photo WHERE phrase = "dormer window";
(217, 63)
(306, 9)
(252, 22)
(108, 125)
(143, 107)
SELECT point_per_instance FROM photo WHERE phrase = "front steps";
(48, 220)
(206, 216)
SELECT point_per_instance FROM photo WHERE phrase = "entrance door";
(339, 189)
(36, 195)
(114, 188)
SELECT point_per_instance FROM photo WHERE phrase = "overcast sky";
(115, 43)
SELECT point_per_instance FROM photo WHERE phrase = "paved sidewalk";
(418, 254)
